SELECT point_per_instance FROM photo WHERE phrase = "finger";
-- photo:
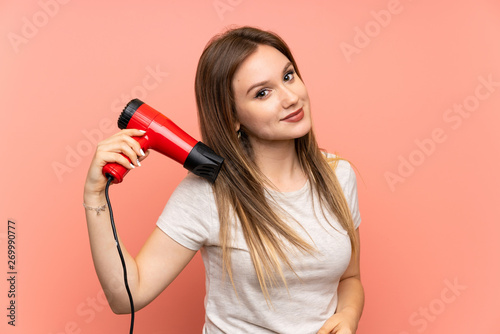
(342, 331)
(127, 136)
(96, 181)
(146, 154)
(133, 132)
(116, 143)
(328, 326)
(120, 144)
(131, 153)
(324, 331)
(113, 157)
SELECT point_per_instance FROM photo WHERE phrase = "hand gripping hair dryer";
(166, 137)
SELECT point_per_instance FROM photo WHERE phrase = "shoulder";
(342, 168)
(347, 180)
(192, 186)
(192, 197)
(189, 215)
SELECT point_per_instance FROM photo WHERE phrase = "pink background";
(386, 79)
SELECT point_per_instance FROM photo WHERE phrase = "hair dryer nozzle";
(203, 162)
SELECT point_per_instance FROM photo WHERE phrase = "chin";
(304, 129)
(300, 134)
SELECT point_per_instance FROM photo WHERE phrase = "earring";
(238, 133)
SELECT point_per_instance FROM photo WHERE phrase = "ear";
(237, 126)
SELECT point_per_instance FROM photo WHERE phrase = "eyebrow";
(262, 83)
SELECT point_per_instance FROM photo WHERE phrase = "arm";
(351, 299)
(159, 261)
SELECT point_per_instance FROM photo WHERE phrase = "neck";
(279, 163)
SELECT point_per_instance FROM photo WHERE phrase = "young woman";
(278, 230)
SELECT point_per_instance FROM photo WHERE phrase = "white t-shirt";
(190, 218)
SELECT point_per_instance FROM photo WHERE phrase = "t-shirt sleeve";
(187, 215)
(347, 178)
(351, 195)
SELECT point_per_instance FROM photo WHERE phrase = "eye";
(262, 93)
(289, 75)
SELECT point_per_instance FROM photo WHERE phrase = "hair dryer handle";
(116, 170)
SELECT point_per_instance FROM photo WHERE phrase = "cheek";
(259, 123)
(257, 115)
(303, 92)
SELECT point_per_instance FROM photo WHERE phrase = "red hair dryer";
(166, 137)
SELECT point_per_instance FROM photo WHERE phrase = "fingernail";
(138, 163)
(143, 131)
(142, 152)
(132, 165)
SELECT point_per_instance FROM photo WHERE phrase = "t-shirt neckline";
(292, 193)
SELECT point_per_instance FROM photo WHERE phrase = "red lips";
(295, 116)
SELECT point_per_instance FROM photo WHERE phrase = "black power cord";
(132, 310)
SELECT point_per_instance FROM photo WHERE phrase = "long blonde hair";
(240, 186)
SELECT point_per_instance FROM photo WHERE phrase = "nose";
(288, 97)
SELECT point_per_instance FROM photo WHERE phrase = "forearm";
(351, 297)
(107, 262)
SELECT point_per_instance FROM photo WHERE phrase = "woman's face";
(271, 100)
